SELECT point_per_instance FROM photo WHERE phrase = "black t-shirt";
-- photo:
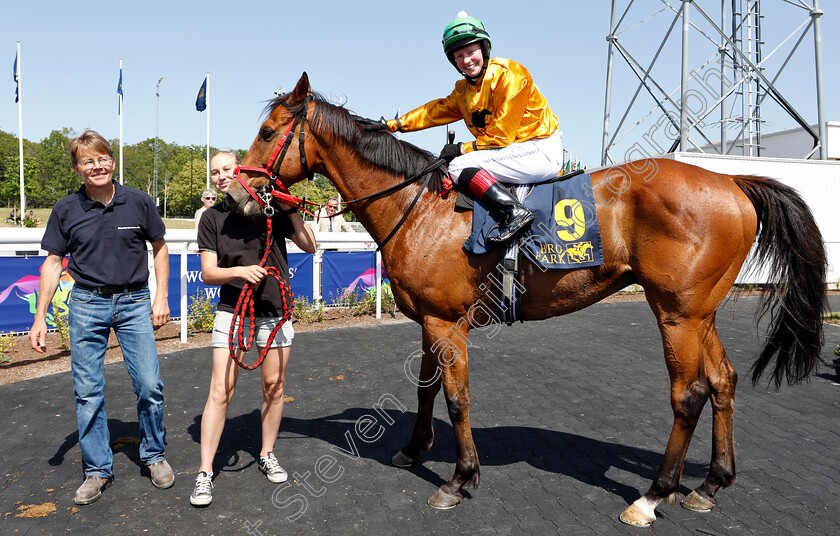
(239, 241)
(107, 245)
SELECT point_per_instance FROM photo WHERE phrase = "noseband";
(275, 187)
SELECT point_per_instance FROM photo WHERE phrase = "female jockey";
(516, 134)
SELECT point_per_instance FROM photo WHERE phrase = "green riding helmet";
(464, 31)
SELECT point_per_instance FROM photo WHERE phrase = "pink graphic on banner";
(366, 279)
(26, 285)
(26, 288)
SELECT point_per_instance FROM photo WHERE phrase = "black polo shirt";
(107, 245)
(239, 241)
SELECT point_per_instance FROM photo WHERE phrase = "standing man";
(325, 222)
(104, 227)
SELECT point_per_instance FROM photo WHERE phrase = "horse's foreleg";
(447, 342)
(689, 392)
(722, 381)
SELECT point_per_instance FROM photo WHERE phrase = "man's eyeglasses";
(102, 161)
(332, 206)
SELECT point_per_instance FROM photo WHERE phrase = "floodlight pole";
(684, 83)
(816, 13)
(157, 112)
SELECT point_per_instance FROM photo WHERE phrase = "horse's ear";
(301, 89)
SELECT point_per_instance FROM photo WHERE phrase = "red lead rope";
(245, 306)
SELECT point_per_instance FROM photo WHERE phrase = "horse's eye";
(266, 134)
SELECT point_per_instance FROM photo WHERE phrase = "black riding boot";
(515, 217)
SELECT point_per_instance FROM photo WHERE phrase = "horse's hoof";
(401, 460)
(637, 516)
(443, 501)
(697, 503)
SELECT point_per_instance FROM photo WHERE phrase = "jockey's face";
(94, 168)
(469, 60)
(221, 171)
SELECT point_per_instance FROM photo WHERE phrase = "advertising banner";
(19, 279)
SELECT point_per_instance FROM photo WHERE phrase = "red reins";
(245, 309)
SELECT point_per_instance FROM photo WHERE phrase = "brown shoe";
(162, 475)
(91, 489)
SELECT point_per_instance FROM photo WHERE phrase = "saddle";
(564, 235)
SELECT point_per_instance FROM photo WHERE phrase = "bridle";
(276, 189)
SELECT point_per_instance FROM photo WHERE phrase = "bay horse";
(681, 232)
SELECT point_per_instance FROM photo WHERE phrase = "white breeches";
(518, 163)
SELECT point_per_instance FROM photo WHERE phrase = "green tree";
(318, 190)
(10, 166)
(55, 178)
(10, 180)
(139, 165)
(182, 198)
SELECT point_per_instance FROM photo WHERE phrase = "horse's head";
(277, 157)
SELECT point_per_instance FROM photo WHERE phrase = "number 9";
(574, 222)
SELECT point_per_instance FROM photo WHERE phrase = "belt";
(114, 289)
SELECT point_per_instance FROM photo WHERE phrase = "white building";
(793, 143)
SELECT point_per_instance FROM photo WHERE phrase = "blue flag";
(201, 100)
(17, 85)
(119, 91)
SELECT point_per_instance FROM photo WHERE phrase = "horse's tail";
(789, 246)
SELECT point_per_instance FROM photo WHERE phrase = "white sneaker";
(202, 495)
(272, 470)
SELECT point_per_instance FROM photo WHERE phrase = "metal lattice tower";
(722, 82)
(746, 34)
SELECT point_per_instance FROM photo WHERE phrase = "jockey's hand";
(450, 151)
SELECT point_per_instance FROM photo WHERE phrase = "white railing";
(183, 242)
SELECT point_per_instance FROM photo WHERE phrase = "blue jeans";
(92, 315)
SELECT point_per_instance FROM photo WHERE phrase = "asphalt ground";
(570, 417)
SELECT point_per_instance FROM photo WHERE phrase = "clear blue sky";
(376, 56)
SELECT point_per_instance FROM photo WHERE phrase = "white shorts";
(526, 162)
(265, 325)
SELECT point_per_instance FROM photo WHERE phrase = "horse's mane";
(376, 147)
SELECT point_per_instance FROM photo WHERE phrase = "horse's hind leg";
(722, 380)
(683, 341)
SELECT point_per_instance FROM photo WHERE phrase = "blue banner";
(300, 272)
(344, 272)
(301, 266)
(19, 279)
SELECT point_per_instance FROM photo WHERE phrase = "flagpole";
(121, 125)
(20, 135)
(207, 96)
